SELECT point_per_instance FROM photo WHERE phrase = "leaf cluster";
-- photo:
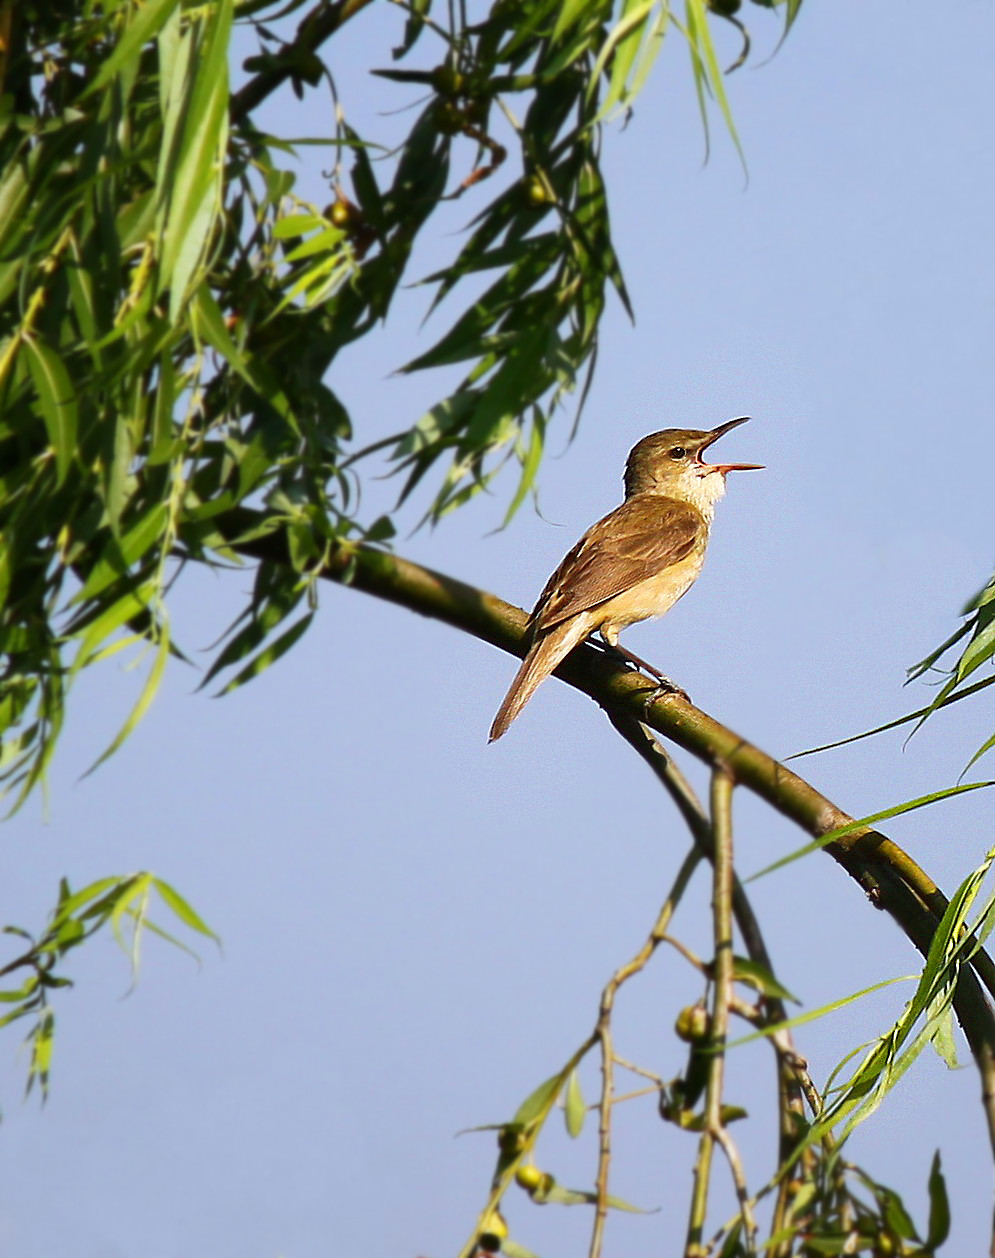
(978, 628)
(122, 903)
(172, 315)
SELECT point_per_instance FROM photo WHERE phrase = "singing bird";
(634, 564)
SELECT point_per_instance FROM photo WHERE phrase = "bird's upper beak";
(713, 436)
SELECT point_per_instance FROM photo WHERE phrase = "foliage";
(171, 321)
(979, 629)
(170, 312)
(822, 1204)
(121, 903)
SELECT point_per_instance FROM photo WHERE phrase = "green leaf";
(570, 13)
(42, 1041)
(853, 826)
(901, 720)
(939, 1207)
(81, 291)
(465, 338)
(927, 663)
(148, 693)
(538, 1103)
(591, 218)
(293, 225)
(144, 24)
(94, 632)
(182, 909)
(275, 597)
(574, 1109)
(418, 11)
(986, 746)
(56, 400)
(364, 182)
(620, 48)
(943, 1039)
(703, 55)
(69, 904)
(328, 240)
(118, 555)
(191, 165)
(760, 977)
(814, 1014)
(381, 530)
(895, 1215)
(118, 471)
(210, 324)
(982, 643)
(279, 646)
(530, 464)
(163, 439)
(891, 1056)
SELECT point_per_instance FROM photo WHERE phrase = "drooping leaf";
(574, 1109)
(939, 1207)
(56, 400)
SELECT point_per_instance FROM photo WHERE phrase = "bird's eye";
(678, 452)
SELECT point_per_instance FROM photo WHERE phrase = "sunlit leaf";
(183, 909)
(145, 23)
(574, 1109)
(56, 400)
(852, 827)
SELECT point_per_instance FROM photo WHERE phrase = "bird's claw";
(663, 687)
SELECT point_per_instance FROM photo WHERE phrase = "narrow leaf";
(853, 826)
(144, 699)
(279, 646)
(56, 399)
(574, 1109)
(185, 911)
(939, 1207)
(146, 20)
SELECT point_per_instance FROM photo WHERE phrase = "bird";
(634, 563)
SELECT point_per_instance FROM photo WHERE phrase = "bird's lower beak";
(716, 433)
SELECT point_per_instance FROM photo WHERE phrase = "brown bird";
(635, 563)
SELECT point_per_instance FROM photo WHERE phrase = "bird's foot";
(664, 686)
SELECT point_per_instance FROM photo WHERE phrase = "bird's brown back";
(645, 535)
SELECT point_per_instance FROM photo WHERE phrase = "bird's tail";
(543, 657)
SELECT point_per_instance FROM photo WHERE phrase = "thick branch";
(888, 875)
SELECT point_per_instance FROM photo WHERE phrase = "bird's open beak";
(715, 434)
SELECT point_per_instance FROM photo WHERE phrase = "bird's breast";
(652, 596)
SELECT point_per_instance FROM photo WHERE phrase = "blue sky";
(417, 926)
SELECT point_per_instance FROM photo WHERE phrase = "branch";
(888, 875)
(792, 1075)
(603, 1033)
(311, 34)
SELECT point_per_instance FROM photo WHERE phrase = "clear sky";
(417, 926)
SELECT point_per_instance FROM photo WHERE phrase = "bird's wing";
(644, 536)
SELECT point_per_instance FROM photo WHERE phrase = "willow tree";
(171, 317)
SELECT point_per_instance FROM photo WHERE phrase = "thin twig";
(687, 954)
(792, 1080)
(602, 1032)
(722, 991)
(728, 1146)
(639, 1070)
(724, 966)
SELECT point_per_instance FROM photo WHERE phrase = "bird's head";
(670, 463)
